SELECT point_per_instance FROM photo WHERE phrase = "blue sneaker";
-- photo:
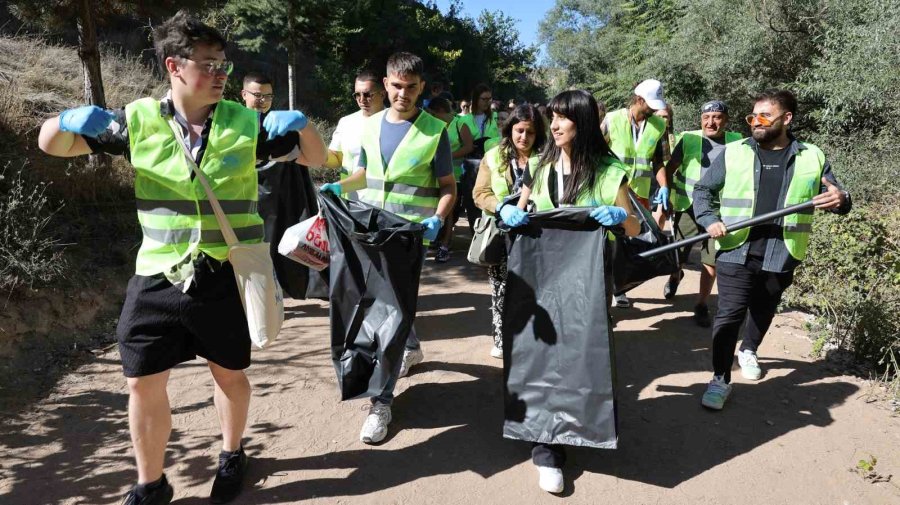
(716, 393)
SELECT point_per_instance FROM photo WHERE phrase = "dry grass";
(37, 81)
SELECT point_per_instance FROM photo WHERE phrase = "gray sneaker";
(622, 301)
(376, 426)
(749, 365)
(411, 358)
(716, 393)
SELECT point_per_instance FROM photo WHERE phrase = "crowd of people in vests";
(429, 165)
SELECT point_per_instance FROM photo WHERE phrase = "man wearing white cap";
(639, 139)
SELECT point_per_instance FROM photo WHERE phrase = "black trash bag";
(286, 197)
(558, 361)
(629, 270)
(376, 261)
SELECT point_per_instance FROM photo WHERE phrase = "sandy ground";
(791, 438)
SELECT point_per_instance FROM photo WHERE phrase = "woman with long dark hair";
(500, 175)
(576, 169)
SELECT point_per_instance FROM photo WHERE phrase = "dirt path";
(789, 439)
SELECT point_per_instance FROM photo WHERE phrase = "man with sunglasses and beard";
(343, 152)
(183, 301)
(767, 172)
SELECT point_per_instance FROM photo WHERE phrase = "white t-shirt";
(347, 138)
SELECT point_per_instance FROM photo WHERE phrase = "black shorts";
(160, 326)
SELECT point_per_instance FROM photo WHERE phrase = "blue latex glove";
(609, 215)
(331, 187)
(279, 122)
(432, 227)
(662, 197)
(513, 216)
(88, 121)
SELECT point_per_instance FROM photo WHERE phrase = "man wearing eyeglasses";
(691, 158)
(343, 152)
(770, 171)
(183, 301)
(287, 195)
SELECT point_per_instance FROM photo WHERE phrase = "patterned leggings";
(497, 274)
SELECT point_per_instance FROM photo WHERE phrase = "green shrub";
(29, 254)
(851, 282)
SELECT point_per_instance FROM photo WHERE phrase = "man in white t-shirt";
(368, 91)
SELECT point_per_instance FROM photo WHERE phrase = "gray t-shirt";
(391, 136)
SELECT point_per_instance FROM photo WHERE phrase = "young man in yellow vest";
(405, 166)
(638, 138)
(368, 91)
(183, 301)
(770, 171)
(691, 158)
(461, 145)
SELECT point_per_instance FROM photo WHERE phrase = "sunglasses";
(215, 67)
(260, 96)
(364, 95)
(762, 120)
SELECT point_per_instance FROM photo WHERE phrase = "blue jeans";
(386, 398)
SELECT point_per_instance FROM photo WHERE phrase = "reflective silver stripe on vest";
(642, 173)
(245, 233)
(798, 228)
(402, 189)
(738, 203)
(187, 235)
(189, 208)
(171, 237)
(639, 161)
(401, 208)
(733, 219)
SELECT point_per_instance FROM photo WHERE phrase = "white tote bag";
(253, 269)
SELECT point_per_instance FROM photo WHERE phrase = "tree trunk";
(89, 53)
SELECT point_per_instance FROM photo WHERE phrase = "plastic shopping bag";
(307, 243)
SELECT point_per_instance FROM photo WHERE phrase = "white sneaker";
(411, 358)
(550, 479)
(496, 352)
(376, 426)
(622, 301)
(749, 365)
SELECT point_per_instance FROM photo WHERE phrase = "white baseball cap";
(652, 93)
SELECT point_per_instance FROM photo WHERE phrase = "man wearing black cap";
(692, 156)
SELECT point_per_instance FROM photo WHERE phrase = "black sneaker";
(160, 493)
(701, 316)
(671, 286)
(443, 254)
(229, 477)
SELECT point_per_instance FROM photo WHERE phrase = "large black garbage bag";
(558, 364)
(630, 271)
(376, 261)
(286, 197)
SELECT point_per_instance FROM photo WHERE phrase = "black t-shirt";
(773, 165)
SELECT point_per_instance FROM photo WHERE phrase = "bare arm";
(448, 196)
(55, 142)
(312, 147)
(357, 181)
(523, 199)
(631, 224)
